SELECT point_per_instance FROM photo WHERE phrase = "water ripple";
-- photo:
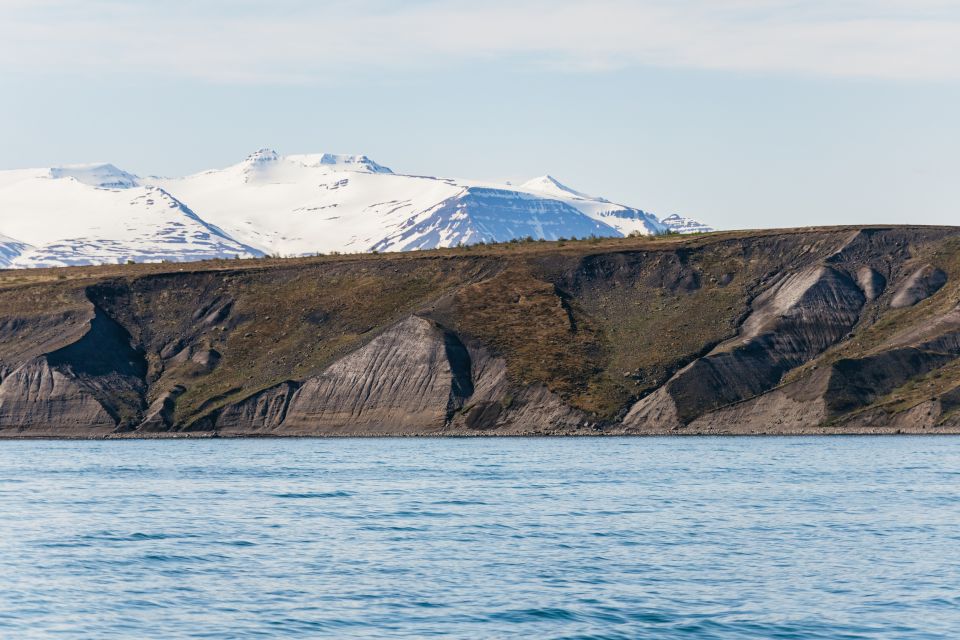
(715, 538)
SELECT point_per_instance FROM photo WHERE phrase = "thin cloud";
(292, 41)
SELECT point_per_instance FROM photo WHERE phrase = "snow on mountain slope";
(300, 204)
(103, 176)
(70, 222)
(624, 219)
(550, 186)
(287, 205)
(297, 205)
(679, 224)
(10, 249)
(479, 214)
(357, 163)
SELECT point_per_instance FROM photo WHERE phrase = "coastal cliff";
(820, 330)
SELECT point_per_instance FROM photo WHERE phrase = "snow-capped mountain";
(680, 224)
(287, 205)
(301, 204)
(62, 219)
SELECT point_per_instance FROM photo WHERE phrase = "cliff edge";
(819, 330)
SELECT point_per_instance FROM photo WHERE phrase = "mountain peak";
(550, 185)
(346, 161)
(261, 156)
(101, 175)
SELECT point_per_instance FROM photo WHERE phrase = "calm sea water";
(482, 538)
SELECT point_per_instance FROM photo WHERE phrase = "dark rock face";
(159, 416)
(94, 383)
(261, 412)
(791, 323)
(855, 383)
(810, 331)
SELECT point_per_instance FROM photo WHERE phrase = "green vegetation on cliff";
(835, 328)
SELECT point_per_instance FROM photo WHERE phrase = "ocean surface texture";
(481, 538)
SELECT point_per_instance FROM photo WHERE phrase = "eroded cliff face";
(790, 323)
(414, 378)
(808, 331)
(92, 385)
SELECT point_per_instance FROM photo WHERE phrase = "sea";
(683, 537)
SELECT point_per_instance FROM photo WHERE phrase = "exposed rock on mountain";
(833, 330)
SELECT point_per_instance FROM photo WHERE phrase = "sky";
(740, 113)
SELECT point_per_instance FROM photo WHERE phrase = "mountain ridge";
(298, 204)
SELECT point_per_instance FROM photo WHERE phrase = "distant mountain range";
(286, 205)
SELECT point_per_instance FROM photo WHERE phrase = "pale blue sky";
(743, 113)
